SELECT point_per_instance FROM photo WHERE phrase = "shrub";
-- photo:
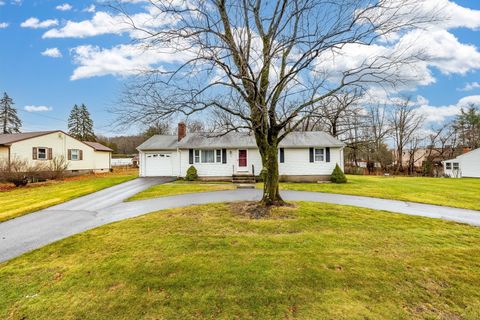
(191, 174)
(18, 171)
(57, 167)
(338, 176)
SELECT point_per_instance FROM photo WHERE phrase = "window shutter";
(327, 154)
(190, 156)
(311, 155)
(69, 154)
(282, 155)
(80, 154)
(50, 155)
(35, 154)
(224, 155)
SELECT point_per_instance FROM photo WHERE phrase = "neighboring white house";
(39, 147)
(465, 166)
(303, 156)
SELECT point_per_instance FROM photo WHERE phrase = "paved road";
(32, 231)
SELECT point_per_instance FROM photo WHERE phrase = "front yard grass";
(461, 193)
(19, 201)
(181, 187)
(316, 261)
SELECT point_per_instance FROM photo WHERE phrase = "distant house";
(39, 147)
(302, 156)
(465, 166)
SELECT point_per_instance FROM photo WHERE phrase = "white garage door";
(158, 164)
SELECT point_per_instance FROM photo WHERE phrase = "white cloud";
(64, 7)
(438, 114)
(35, 23)
(52, 52)
(3, 25)
(470, 86)
(37, 108)
(106, 23)
(122, 60)
(91, 8)
(2, 3)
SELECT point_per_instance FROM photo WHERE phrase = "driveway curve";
(40, 228)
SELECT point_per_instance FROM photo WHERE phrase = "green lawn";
(181, 187)
(19, 201)
(315, 262)
(461, 193)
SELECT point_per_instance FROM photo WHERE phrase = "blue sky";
(85, 63)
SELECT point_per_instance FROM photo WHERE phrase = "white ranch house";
(465, 166)
(303, 156)
(41, 147)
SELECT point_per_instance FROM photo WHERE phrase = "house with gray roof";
(302, 156)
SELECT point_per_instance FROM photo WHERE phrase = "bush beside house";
(338, 176)
(191, 174)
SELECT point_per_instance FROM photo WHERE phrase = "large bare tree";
(268, 63)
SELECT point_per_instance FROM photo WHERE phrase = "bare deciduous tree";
(269, 63)
(405, 123)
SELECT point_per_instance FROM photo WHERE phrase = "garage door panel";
(158, 164)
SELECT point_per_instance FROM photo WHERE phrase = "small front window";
(75, 154)
(42, 154)
(319, 155)
(197, 156)
(456, 166)
(219, 155)
(448, 166)
(208, 156)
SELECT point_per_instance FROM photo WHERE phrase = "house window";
(219, 155)
(448, 166)
(197, 156)
(42, 154)
(75, 154)
(456, 166)
(319, 155)
(208, 156)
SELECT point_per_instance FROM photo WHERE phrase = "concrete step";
(245, 185)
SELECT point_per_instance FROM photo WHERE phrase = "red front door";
(242, 158)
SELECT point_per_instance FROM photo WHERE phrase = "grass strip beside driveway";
(37, 196)
(460, 193)
(181, 187)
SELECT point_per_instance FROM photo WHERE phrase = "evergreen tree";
(9, 119)
(80, 124)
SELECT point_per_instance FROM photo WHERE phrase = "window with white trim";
(42, 154)
(319, 155)
(456, 166)
(75, 154)
(219, 155)
(196, 156)
(208, 156)
(448, 166)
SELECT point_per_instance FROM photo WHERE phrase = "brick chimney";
(182, 130)
(466, 149)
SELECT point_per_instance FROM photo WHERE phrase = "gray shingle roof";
(159, 142)
(6, 139)
(238, 140)
(97, 146)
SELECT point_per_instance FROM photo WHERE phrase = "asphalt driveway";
(40, 228)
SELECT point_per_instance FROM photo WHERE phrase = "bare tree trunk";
(271, 194)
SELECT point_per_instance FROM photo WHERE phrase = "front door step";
(245, 185)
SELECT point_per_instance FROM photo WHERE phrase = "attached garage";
(159, 157)
(158, 164)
